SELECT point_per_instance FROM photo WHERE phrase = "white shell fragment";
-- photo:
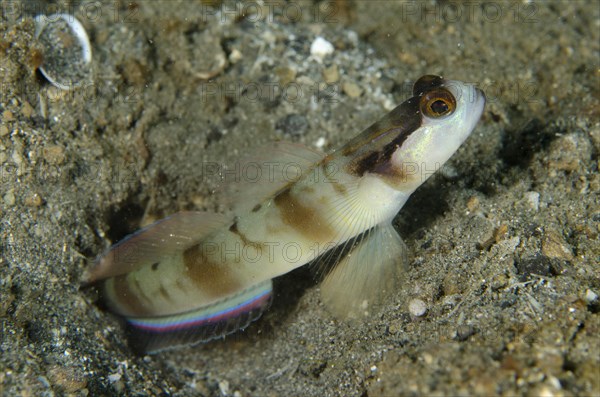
(67, 50)
(417, 307)
(320, 48)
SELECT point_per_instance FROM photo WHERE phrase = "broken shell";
(67, 50)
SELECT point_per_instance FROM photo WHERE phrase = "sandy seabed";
(504, 246)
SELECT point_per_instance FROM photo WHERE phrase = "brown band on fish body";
(303, 219)
(213, 277)
(396, 176)
(366, 163)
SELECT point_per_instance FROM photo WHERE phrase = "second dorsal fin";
(264, 171)
(158, 240)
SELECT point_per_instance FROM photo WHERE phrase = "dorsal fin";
(158, 240)
(264, 171)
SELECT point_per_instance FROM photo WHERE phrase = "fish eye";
(437, 103)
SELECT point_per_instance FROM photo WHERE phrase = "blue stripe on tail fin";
(153, 334)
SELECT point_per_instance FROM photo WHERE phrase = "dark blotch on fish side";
(215, 277)
(301, 218)
(366, 163)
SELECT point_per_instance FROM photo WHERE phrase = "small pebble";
(590, 296)
(70, 379)
(499, 281)
(546, 391)
(320, 48)
(500, 232)
(235, 56)
(540, 265)
(451, 300)
(285, 75)
(4, 130)
(568, 152)
(331, 74)
(26, 109)
(294, 125)
(395, 327)
(119, 387)
(224, 387)
(533, 199)
(321, 142)
(33, 200)
(464, 331)
(7, 115)
(408, 58)
(351, 89)
(9, 198)
(203, 66)
(473, 203)
(134, 72)
(506, 248)
(417, 307)
(112, 378)
(554, 246)
(54, 154)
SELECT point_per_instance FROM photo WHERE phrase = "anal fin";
(153, 334)
(366, 275)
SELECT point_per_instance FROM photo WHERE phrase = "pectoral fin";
(368, 272)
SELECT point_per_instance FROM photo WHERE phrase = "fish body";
(197, 276)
